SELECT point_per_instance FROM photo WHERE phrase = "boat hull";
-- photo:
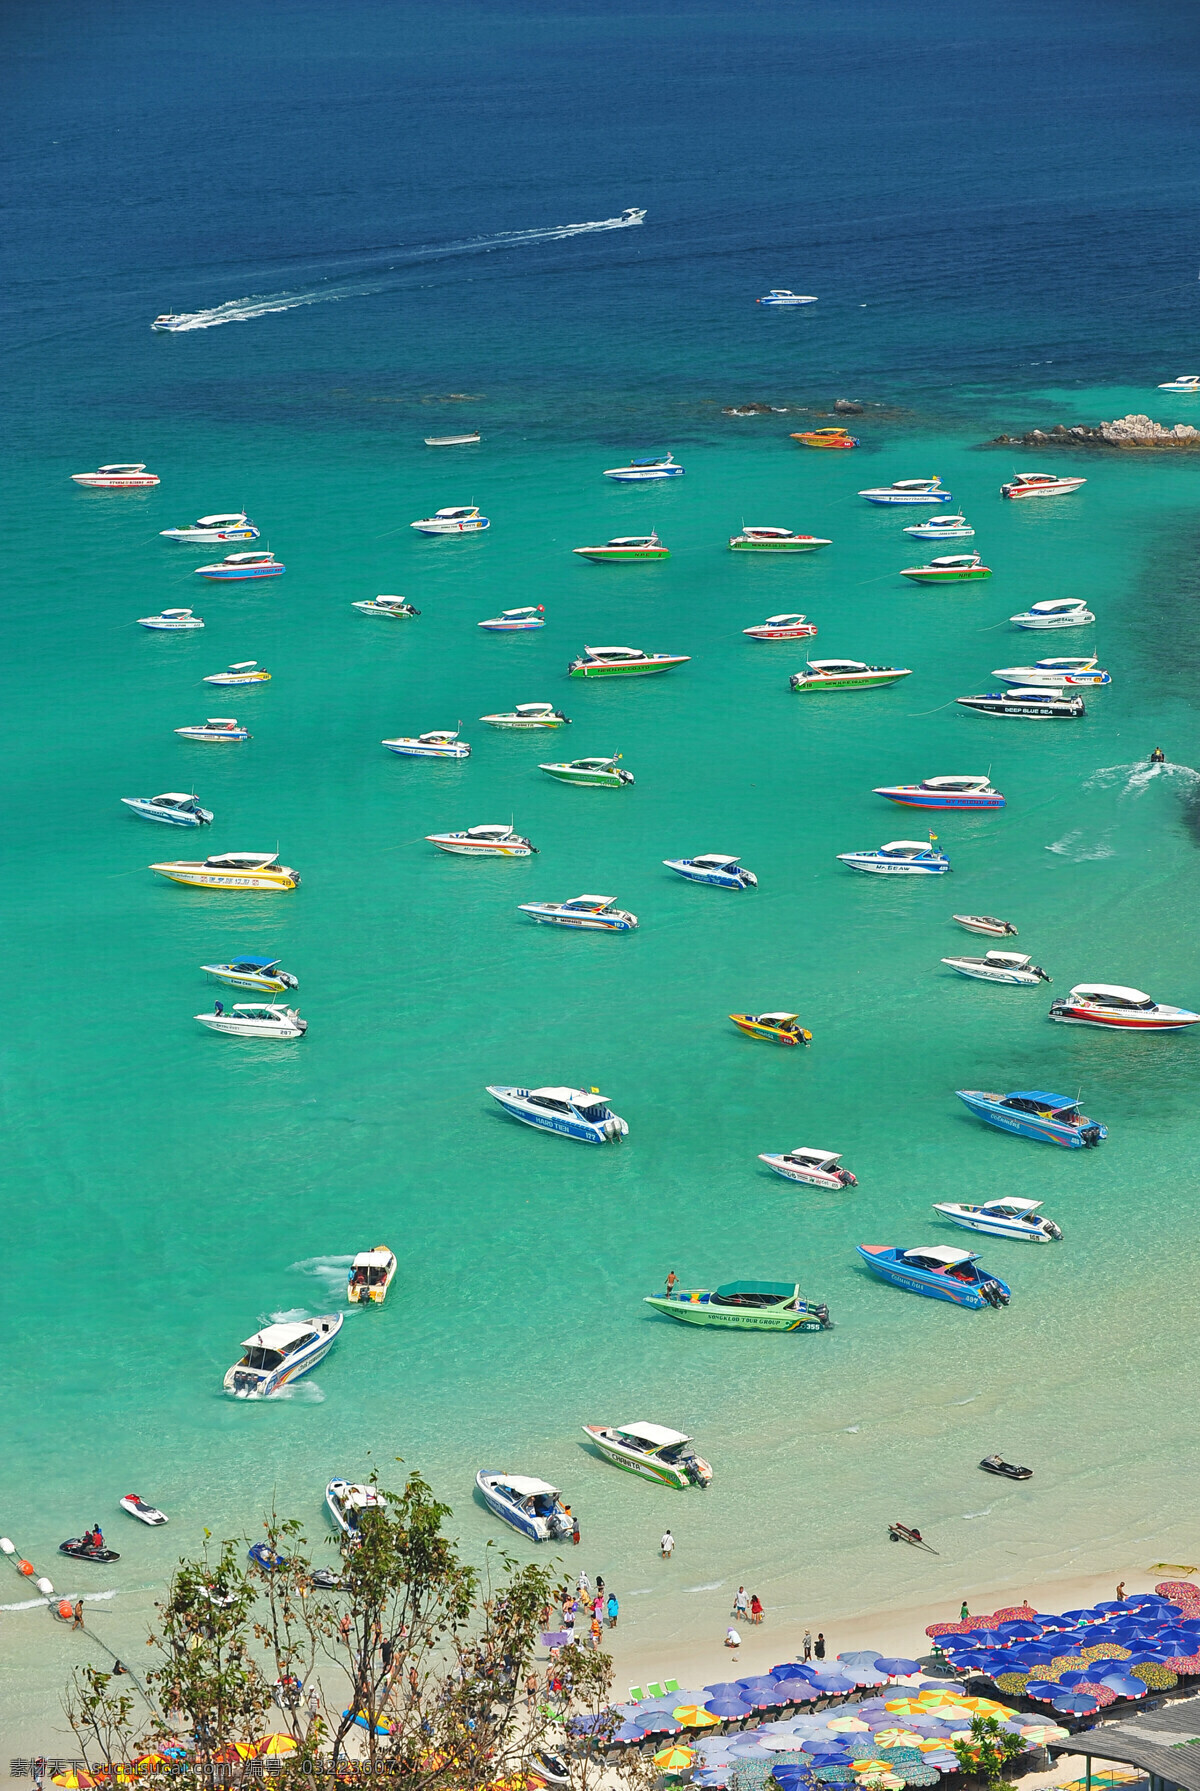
(773, 1035)
(291, 1370)
(1031, 1125)
(714, 879)
(918, 1281)
(1059, 489)
(906, 497)
(1027, 711)
(1023, 979)
(811, 1178)
(1164, 1020)
(566, 1125)
(628, 475)
(694, 1309)
(927, 575)
(625, 668)
(237, 881)
(463, 848)
(244, 979)
(131, 482)
(798, 544)
(214, 573)
(911, 796)
(470, 526)
(875, 680)
(1082, 618)
(145, 811)
(801, 632)
(412, 749)
(209, 537)
(235, 1029)
(659, 1473)
(890, 867)
(594, 780)
(581, 922)
(996, 1228)
(616, 556)
(804, 440)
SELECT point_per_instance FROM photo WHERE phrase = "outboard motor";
(287, 979)
(847, 1180)
(993, 1293)
(612, 1131)
(1038, 971)
(1051, 1229)
(1090, 1136)
(822, 1313)
(563, 717)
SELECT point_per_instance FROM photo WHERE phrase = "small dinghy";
(1001, 967)
(243, 671)
(1031, 702)
(529, 715)
(787, 627)
(996, 1464)
(137, 1507)
(1005, 1218)
(174, 807)
(398, 608)
(986, 923)
(512, 621)
(171, 621)
(716, 869)
(777, 1029)
(80, 1549)
(586, 913)
(817, 1168)
(533, 1507)
(441, 743)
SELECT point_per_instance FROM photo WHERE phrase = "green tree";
(102, 1721)
(989, 1749)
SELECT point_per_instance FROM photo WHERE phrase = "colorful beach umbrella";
(694, 1716)
(273, 1745)
(74, 1781)
(234, 1750)
(847, 1725)
(674, 1758)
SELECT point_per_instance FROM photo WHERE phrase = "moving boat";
(1033, 1113)
(622, 662)
(908, 491)
(452, 441)
(171, 320)
(231, 870)
(243, 671)
(986, 923)
(458, 519)
(281, 1353)
(995, 1464)
(1186, 382)
(1005, 1218)
(743, 1306)
(845, 674)
(511, 620)
(122, 475)
(767, 540)
(371, 1274)
(603, 773)
(623, 548)
(825, 438)
(79, 1550)
(1055, 612)
(243, 565)
(441, 743)
(650, 466)
(175, 808)
(779, 295)
(950, 569)
(899, 858)
(251, 1020)
(583, 1114)
(137, 1507)
(529, 715)
(941, 528)
(1001, 967)
(250, 971)
(1060, 672)
(715, 868)
(938, 1272)
(1025, 485)
(787, 627)
(816, 1168)
(399, 608)
(634, 214)
(1034, 702)
(778, 1029)
(234, 525)
(1108, 1004)
(218, 728)
(346, 1502)
(490, 840)
(588, 913)
(652, 1452)
(967, 791)
(533, 1507)
(171, 621)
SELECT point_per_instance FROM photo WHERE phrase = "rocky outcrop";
(843, 407)
(1133, 431)
(846, 407)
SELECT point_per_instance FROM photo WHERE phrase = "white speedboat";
(583, 1114)
(779, 295)
(452, 441)
(1006, 1218)
(1027, 485)
(242, 565)
(122, 475)
(171, 621)
(252, 971)
(1041, 702)
(1187, 382)
(233, 871)
(788, 627)
(512, 621)
(218, 728)
(1001, 967)
(254, 1020)
(440, 743)
(816, 1168)
(908, 491)
(243, 671)
(900, 858)
(941, 528)
(652, 1452)
(1125, 1010)
(491, 840)
(528, 715)
(586, 913)
(634, 214)
(966, 791)
(172, 320)
(233, 525)
(533, 1507)
(175, 808)
(346, 1502)
(457, 519)
(645, 470)
(1055, 612)
(281, 1353)
(715, 868)
(986, 923)
(1060, 672)
(398, 608)
(371, 1274)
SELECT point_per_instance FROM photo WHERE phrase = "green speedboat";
(775, 541)
(604, 773)
(623, 548)
(744, 1306)
(652, 1452)
(622, 662)
(845, 674)
(950, 569)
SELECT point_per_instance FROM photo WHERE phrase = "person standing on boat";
(808, 1644)
(672, 1281)
(819, 1646)
(667, 1545)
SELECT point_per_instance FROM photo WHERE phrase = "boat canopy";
(718, 860)
(283, 1337)
(1049, 605)
(1110, 995)
(1006, 960)
(512, 614)
(524, 1487)
(489, 830)
(254, 962)
(907, 846)
(783, 622)
(534, 709)
(176, 796)
(654, 1434)
(589, 901)
(808, 1153)
(372, 1259)
(776, 1019)
(1041, 1096)
(131, 466)
(837, 665)
(942, 1254)
(216, 522)
(1010, 1205)
(651, 460)
(774, 1290)
(240, 861)
(966, 780)
(575, 1097)
(246, 559)
(459, 510)
(615, 652)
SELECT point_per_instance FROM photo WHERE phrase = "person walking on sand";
(77, 1616)
(808, 1644)
(597, 1632)
(667, 1545)
(741, 1604)
(1121, 1592)
(819, 1646)
(756, 1609)
(964, 1613)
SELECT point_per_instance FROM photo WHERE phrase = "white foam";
(1137, 778)
(986, 1512)
(1073, 847)
(708, 1586)
(35, 1604)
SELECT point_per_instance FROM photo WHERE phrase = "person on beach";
(667, 1545)
(964, 1613)
(599, 1586)
(613, 1610)
(583, 1585)
(77, 1615)
(808, 1644)
(314, 1703)
(531, 1691)
(756, 1609)
(597, 1632)
(819, 1646)
(732, 1638)
(575, 1531)
(1121, 1592)
(741, 1604)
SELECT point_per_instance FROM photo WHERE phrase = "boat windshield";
(261, 1358)
(753, 1300)
(548, 1102)
(593, 1114)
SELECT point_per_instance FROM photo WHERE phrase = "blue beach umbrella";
(796, 1691)
(1076, 1704)
(1126, 1685)
(832, 1683)
(1044, 1691)
(894, 1665)
(630, 1732)
(722, 1686)
(1076, 1678)
(728, 1708)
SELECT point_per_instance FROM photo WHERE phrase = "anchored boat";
(779, 1029)
(908, 491)
(652, 1452)
(371, 1274)
(490, 840)
(743, 1306)
(1027, 485)
(529, 715)
(648, 468)
(452, 441)
(1186, 382)
(938, 1272)
(281, 1353)
(592, 914)
(248, 1020)
(172, 621)
(218, 729)
(900, 858)
(346, 1503)
(1006, 1218)
(600, 773)
(714, 868)
(1128, 1010)
(788, 627)
(950, 569)
(1033, 1113)
(816, 1168)
(967, 792)
(122, 475)
(574, 1112)
(623, 549)
(1033, 702)
(825, 438)
(1011, 967)
(1055, 612)
(458, 519)
(941, 528)
(242, 565)
(845, 674)
(231, 871)
(233, 525)
(986, 923)
(243, 671)
(174, 807)
(440, 743)
(533, 1507)
(622, 662)
(511, 621)
(251, 971)
(770, 540)
(779, 295)
(1063, 673)
(398, 608)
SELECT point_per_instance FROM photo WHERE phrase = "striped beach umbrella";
(674, 1758)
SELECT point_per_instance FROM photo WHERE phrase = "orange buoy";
(65, 1610)
(26, 1567)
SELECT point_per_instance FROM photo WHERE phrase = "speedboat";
(944, 792)
(346, 1503)
(171, 320)
(458, 519)
(825, 438)
(941, 528)
(779, 295)
(650, 466)
(452, 441)
(1186, 382)
(624, 548)
(634, 214)
(765, 540)
(1025, 485)
(715, 868)
(986, 923)
(250, 1020)
(1055, 612)
(1032, 1113)
(171, 621)
(399, 608)
(511, 620)
(441, 743)
(371, 1274)
(603, 773)
(529, 715)
(1038, 702)
(899, 858)
(243, 671)
(777, 1029)
(491, 840)
(1001, 967)
(908, 491)
(938, 1272)
(652, 1452)
(575, 1112)
(743, 1306)
(1060, 672)
(845, 674)
(175, 808)
(218, 728)
(250, 971)
(231, 870)
(622, 662)
(1108, 1004)
(949, 569)
(588, 913)
(281, 1353)
(123, 475)
(788, 627)
(234, 525)
(533, 1507)
(1006, 1218)
(816, 1168)
(243, 565)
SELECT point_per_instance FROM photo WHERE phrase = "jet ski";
(995, 1464)
(326, 1580)
(81, 1552)
(137, 1507)
(265, 1557)
(548, 1767)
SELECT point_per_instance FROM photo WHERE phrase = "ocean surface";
(369, 209)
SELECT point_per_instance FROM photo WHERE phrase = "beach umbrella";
(796, 1691)
(674, 1758)
(153, 1759)
(1126, 1685)
(1076, 1703)
(859, 1657)
(629, 1732)
(1072, 1679)
(694, 1716)
(894, 1665)
(1019, 1632)
(658, 1722)
(1043, 1690)
(824, 1745)
(847, 1725)
(73, 1781)
(724, 1685)
(234, 1750)
(832, 1683)
(272, 1745)
(727, 1707)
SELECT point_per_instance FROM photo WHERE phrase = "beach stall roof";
(1160, 1742)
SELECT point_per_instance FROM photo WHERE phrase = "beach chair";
(654, 1691)
(636, 1694)
(670, 1686)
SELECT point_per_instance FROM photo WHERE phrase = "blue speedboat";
(571, 1111)
(281, 1353)
(901, 858)
(650, 466)
(715, 868)
(938, 1272)
(966, 791)
(1033, 1113)
(531, 1506)
(173, 807)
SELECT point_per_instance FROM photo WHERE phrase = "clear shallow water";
(168, 1191)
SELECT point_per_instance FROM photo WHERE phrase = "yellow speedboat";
(370, 1276)
(231, 870)
(781, 1029)
(825, 438)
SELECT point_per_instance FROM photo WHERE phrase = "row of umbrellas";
(270, 1747)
